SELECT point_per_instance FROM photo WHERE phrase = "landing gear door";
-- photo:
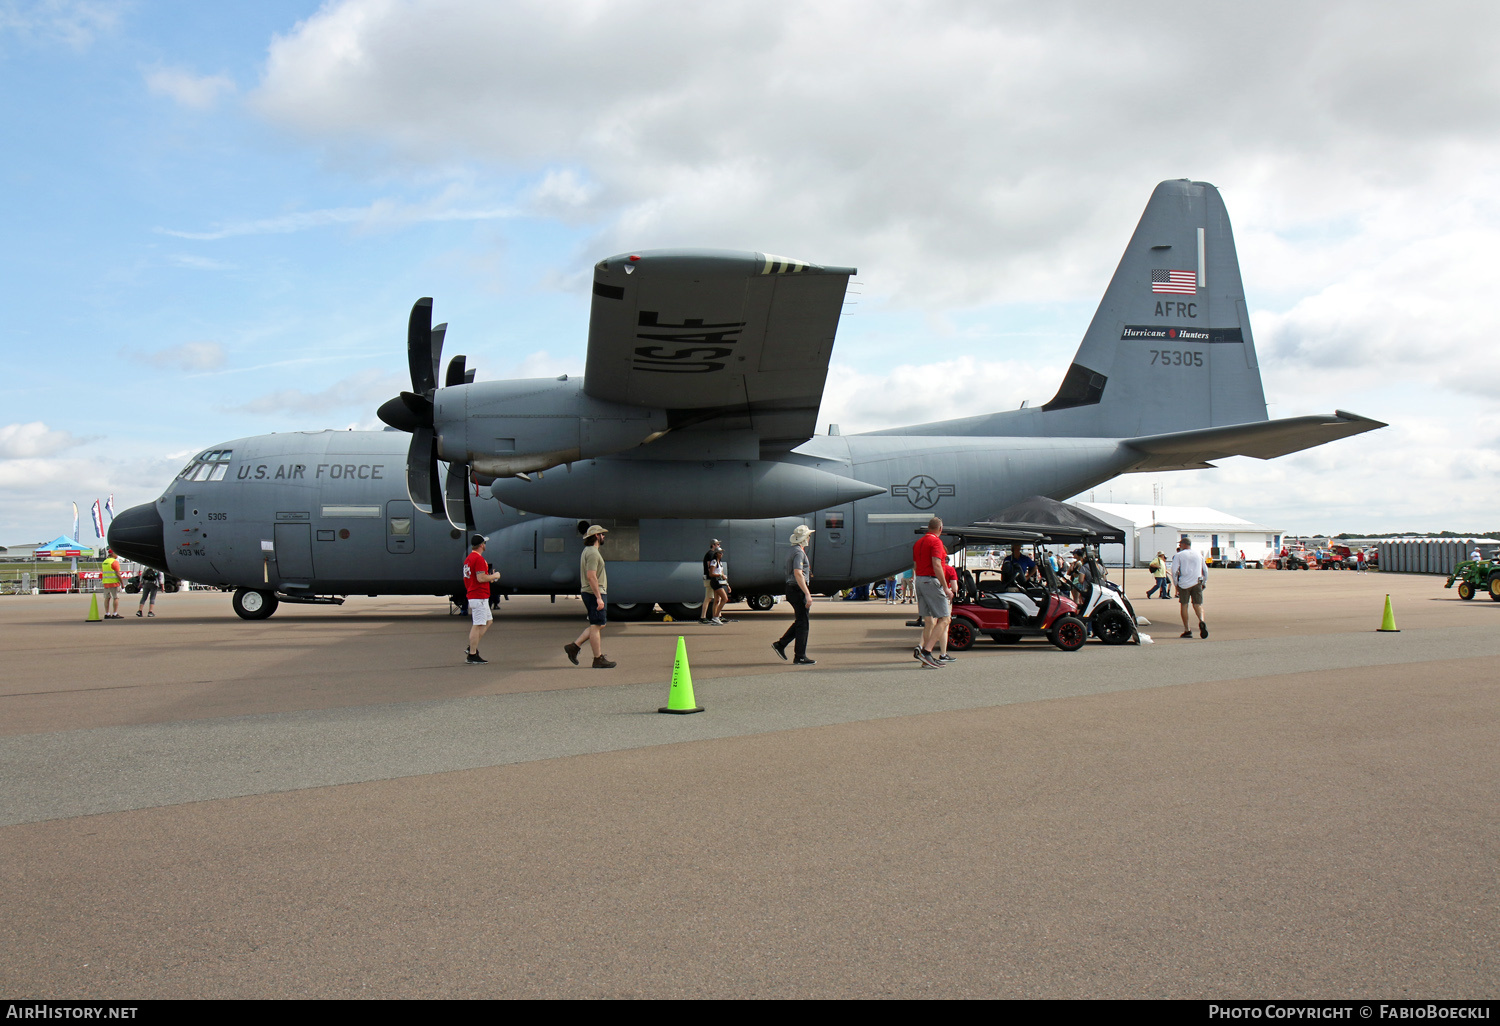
(400, 526)
(833, 544)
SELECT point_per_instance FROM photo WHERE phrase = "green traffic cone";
(93, 616)
(680, 700)
(1388, 623)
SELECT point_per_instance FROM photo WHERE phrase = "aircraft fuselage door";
(294, 551)
(833, 548)
(400, 526)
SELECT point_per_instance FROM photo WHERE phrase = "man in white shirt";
(1189, 575)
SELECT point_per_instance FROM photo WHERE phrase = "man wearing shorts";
(109, 580)
(716, 587)
(933, 593)
(1189, 574)
(477, 578)
(595, 587)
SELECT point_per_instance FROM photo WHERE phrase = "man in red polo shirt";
(477, 578)
(933, 593)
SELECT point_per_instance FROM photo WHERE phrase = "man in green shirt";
(595, 585)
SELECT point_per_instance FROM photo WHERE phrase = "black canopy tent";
(1039, 519)
(1057, 520)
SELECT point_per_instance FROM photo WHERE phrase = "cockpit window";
(208, 466)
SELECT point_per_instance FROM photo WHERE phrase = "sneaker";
(779, 648)
(717, 621)
(1202, 629)
(572, 651)
(804, 661)
(139, 613)
(928, 659)
(150, 614)
(916, 653)
(705, 621)
(475, 657)
(945, 658)
(603, 663)
(1185, 634)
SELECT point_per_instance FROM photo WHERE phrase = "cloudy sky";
(218, 215)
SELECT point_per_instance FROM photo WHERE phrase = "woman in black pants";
(798, 573)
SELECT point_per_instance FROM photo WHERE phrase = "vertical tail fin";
(1169, 348)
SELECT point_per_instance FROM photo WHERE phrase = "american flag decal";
(1182, 283)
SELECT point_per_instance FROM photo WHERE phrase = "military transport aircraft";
(695, 420)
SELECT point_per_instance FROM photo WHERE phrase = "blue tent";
(62, 545)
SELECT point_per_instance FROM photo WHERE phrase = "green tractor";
(1476, 575)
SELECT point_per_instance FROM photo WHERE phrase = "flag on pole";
(75, 521)
(109, 506)
(98, 512)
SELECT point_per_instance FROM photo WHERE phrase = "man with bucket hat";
(594, 587)
(798, 573)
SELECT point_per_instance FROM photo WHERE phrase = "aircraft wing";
(740, 339)
(1267, 439)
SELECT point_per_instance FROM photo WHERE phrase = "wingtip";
(1355, 418)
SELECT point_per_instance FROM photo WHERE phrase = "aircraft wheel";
(1068, 633)
(1465, 590)
(254, 605)
(760, 603)
(1495, 587)
(1113, 627)
(629, 611)
(683, 610)
(1006, 639)
(960, 634)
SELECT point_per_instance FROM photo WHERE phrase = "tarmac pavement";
(330, 804)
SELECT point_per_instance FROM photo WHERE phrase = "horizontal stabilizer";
(1264, 440)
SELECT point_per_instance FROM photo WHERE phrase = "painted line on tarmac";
(114, 769)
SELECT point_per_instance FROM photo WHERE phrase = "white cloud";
(189, 356)
(199, 263)
(23, 441)
(198, 92)
(381, 215)
(922, 393)
(73, 23)
(368, 388)
(960, 153)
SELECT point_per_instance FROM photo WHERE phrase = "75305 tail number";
(1176, 358)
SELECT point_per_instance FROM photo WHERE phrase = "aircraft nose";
(137, 534)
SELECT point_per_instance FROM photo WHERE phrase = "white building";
(1152, 529)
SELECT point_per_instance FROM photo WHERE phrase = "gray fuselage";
(334, 508)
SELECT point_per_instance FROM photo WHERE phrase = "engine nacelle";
(720, 489)
(504, 428)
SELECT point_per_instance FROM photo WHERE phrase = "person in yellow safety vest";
(110, 580)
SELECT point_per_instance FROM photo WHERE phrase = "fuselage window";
(220, 469)
(401, 525)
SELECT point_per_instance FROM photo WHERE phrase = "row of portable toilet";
(1438, 556)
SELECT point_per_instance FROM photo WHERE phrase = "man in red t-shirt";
(477, 578)
(934, 595)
